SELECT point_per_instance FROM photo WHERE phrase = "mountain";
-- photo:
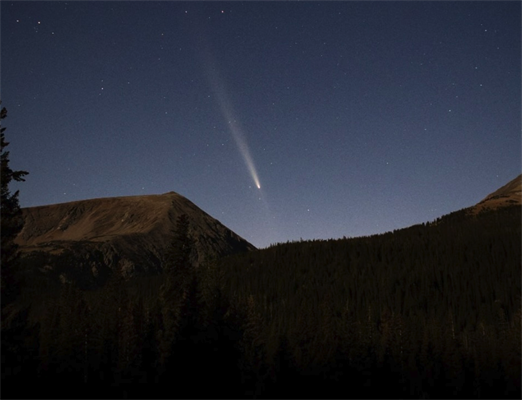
(434, 306)
(507, 195)
(427, 303)
(84, 240)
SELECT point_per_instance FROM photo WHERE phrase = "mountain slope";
(127, 233)
(508, 195)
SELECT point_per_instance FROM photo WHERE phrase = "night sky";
(354, 118)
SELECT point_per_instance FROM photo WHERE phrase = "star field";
(354, 118)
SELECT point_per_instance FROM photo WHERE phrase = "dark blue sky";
(354, 117)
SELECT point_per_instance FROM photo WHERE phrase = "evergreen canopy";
(11, 220)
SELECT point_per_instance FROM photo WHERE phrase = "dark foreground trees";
(431, 311)
(177, 294)
(14, 319)
(11, 222)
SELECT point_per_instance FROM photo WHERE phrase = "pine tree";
(178, 299)
(11, 222)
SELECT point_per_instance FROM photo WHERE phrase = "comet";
(227, 110)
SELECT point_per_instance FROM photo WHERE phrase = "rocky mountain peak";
(90, 237)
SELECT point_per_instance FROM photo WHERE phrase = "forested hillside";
(437, 303)
(428, 311)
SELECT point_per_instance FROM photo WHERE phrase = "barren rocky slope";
(84, 239)
(508, 195)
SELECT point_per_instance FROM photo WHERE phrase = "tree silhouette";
(177, 295)
(11, 222)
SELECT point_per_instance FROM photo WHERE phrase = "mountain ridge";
(507, 195)
(129, 233)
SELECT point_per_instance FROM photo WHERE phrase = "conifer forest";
(175, 153)
(430, 311)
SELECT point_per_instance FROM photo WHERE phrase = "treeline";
(147, 337)
(428, 311)
(435, 305)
